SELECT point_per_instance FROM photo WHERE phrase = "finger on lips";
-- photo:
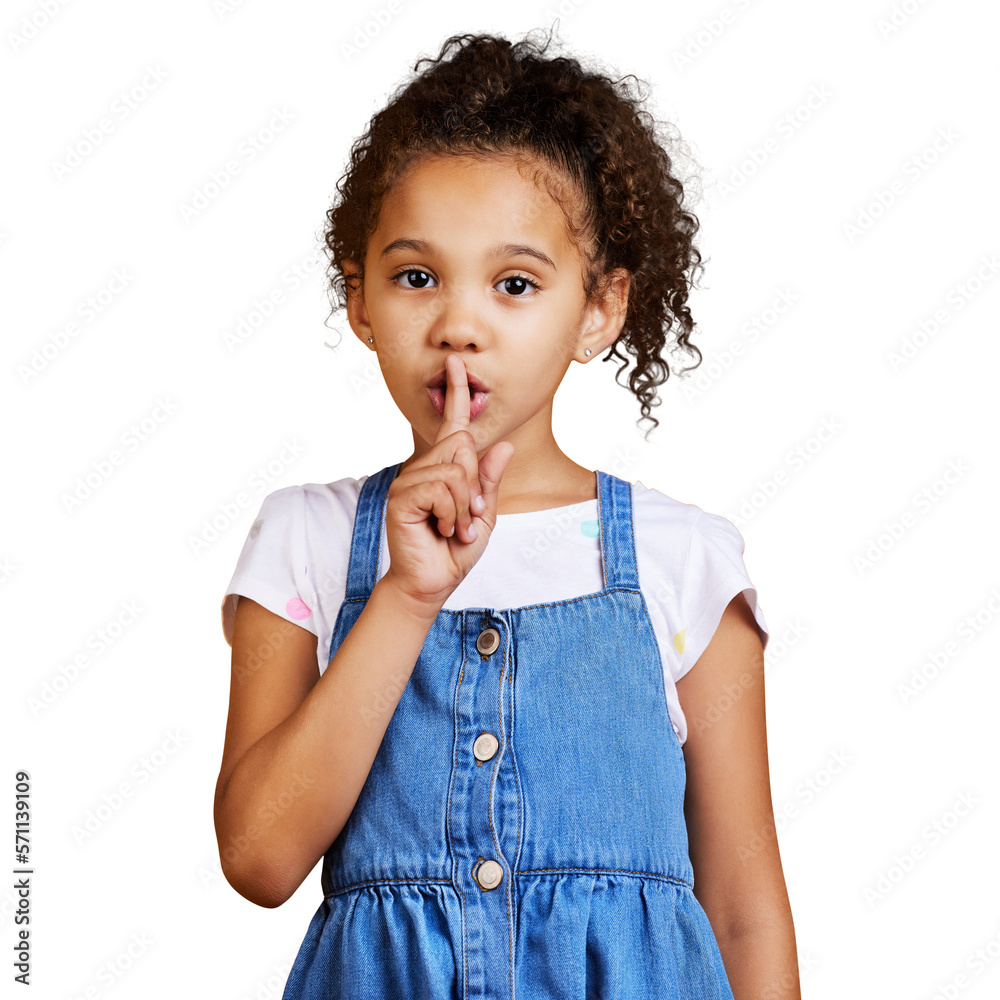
(457, 417)
(457, 412)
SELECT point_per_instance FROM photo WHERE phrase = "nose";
(459, 324)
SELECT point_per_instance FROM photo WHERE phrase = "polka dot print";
(679, 641)
(590, 528)
(298, 609)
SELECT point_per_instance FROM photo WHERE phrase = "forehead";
(470, 199)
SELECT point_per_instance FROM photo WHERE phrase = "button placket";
(488, 873)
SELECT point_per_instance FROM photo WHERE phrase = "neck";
(539, 475)
(542, 479)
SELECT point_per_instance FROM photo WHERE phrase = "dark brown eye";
(419, 282)
(515, 286)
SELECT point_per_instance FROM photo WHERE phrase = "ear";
(357, 314)
(603, 319)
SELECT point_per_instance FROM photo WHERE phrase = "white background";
(807, 436)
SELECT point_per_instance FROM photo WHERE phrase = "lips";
(441, 380)
(478, 393)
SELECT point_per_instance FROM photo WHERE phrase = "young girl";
(481, 737)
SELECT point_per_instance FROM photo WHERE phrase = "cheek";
(397, 336)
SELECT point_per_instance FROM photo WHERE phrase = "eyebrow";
(500, 250)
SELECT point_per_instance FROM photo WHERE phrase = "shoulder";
(310, 503)
(665, 520)
(306, 523)
(680, 547)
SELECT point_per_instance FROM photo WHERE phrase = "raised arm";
(299, 746)
(734, 851)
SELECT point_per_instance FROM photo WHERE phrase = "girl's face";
(471, 257)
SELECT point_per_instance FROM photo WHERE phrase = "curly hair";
(495, 97)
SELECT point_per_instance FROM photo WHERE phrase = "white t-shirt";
(690, 563)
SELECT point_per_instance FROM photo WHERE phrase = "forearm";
(760, 957)
(292, 792)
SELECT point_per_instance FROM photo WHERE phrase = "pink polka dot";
(297, 609)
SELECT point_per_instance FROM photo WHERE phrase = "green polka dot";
(591, 528)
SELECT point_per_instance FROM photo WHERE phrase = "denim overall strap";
(366, 546)
(614, 505)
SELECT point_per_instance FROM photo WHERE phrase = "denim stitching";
(528, 607)
(631, 534)
(609, 871)
(451, 785)
(387, 881)
(600, 521)
(503, 732)
(530, 871)
(659, 660)
(517, 787)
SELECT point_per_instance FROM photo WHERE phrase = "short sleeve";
(272, 569)
(714, 574)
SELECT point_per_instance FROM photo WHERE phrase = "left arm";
(733, 846)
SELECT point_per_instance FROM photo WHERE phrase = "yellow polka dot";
(679, 641)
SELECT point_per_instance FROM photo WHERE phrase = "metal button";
(489, 875)
(488, 641)
(485, 746)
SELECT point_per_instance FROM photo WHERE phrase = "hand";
(434, 534)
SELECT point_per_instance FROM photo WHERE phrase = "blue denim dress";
(521, 833)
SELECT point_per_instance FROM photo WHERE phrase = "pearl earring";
(370, 341)
(587, 352)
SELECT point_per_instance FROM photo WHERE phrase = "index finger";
(456, 398)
